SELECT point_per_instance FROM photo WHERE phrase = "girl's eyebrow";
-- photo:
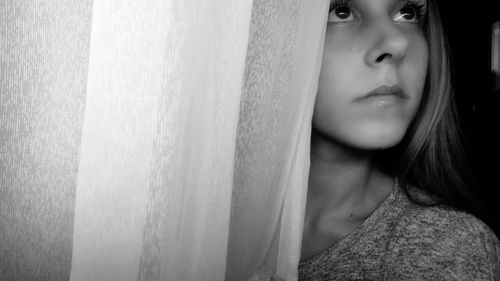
(422, 2)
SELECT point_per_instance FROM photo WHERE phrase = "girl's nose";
(388, 44)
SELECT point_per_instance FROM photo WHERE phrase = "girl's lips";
(383, 95)
(381, 100)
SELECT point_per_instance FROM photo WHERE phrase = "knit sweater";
(404, 241)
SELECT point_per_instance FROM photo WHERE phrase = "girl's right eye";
(340, 13)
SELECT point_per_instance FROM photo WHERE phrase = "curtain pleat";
(272, 153)
(156, 139)
(156, 168)
(43, 69)
(308, 57)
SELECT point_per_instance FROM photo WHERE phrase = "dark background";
(468, 28)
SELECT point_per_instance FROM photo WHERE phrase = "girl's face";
(373, 71)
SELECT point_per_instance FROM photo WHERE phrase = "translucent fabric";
(156, 139)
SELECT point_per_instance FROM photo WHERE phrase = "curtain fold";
(282, 67)
(43, 68)
(156, 140)
(162, 105)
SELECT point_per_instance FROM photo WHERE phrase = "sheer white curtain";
(155, 140)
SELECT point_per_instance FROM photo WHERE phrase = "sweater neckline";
(357, 233)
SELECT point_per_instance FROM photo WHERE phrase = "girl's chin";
(377, 139)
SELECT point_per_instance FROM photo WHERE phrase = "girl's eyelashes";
(412, 11)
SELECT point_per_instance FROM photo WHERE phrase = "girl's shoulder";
(443, 243)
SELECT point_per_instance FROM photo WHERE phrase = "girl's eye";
(340, 13)
(409, 13)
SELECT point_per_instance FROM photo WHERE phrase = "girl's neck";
(342, 178)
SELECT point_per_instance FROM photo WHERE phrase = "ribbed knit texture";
(403, 241)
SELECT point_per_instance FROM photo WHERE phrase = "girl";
(386, 195)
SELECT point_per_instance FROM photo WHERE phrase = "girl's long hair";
(432, 157)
